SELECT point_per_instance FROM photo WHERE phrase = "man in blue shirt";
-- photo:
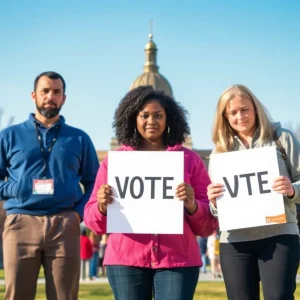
(43, 161)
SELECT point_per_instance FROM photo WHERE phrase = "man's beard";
(49, 112)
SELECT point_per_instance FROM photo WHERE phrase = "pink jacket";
(162, 250)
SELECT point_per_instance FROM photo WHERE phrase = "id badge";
(43, 187)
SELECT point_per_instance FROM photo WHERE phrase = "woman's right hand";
(104, 197)
(214, 190)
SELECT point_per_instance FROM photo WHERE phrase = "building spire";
(151, 27)
(150, 52)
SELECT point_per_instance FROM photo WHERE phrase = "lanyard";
(45, 152)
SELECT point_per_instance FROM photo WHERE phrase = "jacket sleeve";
(7, 188)
(93, 219)
(202, 222)
(88, 172)
(292, 148)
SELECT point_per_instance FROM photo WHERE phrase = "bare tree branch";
(10, 121)
(294, 128)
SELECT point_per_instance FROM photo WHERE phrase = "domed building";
(152, 77)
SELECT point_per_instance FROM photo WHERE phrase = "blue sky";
(203, 47)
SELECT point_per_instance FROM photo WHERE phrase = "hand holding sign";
(283, 185)
(252, 188)
(104, 197)
(214, 190)
(186, 193)
(144, 187)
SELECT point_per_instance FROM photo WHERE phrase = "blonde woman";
(269, 254)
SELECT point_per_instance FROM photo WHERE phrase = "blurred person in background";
(203, 251)
(86, 252)
(94, 261)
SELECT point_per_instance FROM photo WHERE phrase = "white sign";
(144, 184)
(248, 199)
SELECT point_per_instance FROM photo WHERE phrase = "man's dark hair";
(134, 101)
(51, 75)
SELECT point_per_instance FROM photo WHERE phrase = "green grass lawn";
(93, 291)
(41, 275)
(210, 290)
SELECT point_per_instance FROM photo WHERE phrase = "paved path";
(202, 277)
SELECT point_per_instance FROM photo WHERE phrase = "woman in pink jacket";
(167, 264)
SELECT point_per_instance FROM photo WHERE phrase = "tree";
(2, 212)
(10, 121)
(294, 128)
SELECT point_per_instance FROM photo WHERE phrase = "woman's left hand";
(186, 193)
(283, 185)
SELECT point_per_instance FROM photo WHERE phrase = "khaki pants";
(52, 241)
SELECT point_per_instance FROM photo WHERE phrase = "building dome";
(151, 76)
(156, 80)
(150, 44)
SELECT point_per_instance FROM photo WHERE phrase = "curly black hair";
(134, 101)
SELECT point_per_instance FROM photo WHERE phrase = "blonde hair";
(223, 134)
